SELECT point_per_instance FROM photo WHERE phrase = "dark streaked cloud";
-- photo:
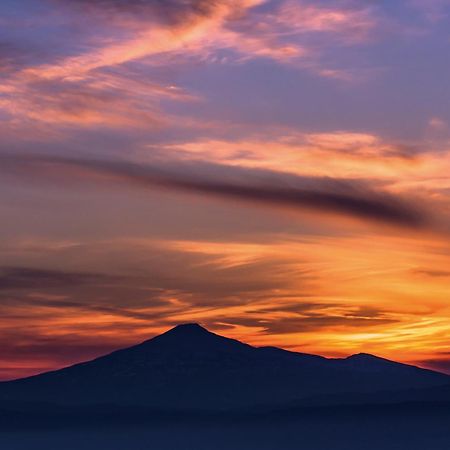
(196, 280)
(328, 195)
(432, 272)
(55, 305)
(311, 321)
(315, 322)
(30, 278)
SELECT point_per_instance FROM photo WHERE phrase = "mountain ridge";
(189, 367)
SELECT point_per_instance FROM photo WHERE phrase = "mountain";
(190, 368)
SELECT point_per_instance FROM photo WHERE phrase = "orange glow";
(381, 295)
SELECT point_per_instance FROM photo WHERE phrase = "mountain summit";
(187, 329)
(190, 333)
(190, 368)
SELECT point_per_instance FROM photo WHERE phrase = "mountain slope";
(190, 368)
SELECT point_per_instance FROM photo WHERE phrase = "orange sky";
(275, 170)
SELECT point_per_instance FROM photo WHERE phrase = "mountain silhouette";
(190, 368)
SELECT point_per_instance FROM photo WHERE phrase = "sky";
(276, 170)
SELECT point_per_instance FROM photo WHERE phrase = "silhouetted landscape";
(192, 386)
(274, 171)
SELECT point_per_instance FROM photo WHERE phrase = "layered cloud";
(265, 292)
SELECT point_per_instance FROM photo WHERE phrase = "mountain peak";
(185, 333)
(188, 328)
(193, 337)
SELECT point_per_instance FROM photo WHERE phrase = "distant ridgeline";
(189, 369)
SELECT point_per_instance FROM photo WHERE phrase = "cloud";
(149, 40)
(72, 84)
(159, 29)
(171, 11)
(307, 317)
(337, 154)
(89, 85)
(309, 322)
(432, 272)
(351, 24)
(195, 276)
(30, 278)
(61, 304)
(272, 189)
(335, 294)
(55, 317)
(100, 99)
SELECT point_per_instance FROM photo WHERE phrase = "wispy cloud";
(169, 29)
(335, 154)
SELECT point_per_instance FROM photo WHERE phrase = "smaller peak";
(363, 356)
(367, 358)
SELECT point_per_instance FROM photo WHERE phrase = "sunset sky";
(278, 171)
